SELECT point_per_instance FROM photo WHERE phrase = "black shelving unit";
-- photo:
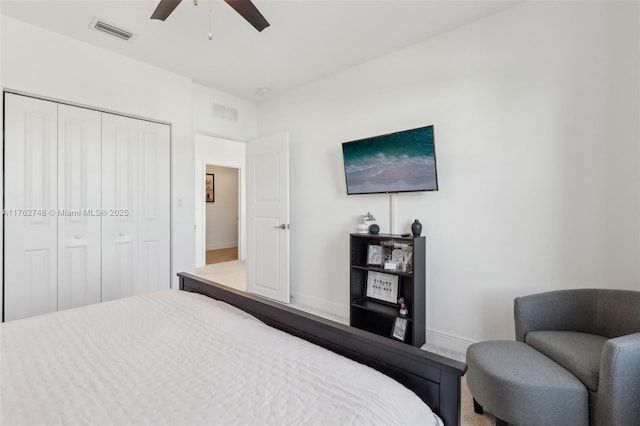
(378, 316)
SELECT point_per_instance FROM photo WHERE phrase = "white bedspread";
(174, 358)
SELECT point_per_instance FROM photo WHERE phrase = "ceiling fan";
(245, 8)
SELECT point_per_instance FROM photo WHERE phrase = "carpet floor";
(232, 274)
(469, 417)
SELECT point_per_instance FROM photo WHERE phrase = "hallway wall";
(222, 214)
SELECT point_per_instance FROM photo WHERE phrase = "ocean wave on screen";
(382, 162)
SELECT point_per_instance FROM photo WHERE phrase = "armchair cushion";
(577, 352)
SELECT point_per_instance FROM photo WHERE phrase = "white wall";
(536, 127)
(225, 153)
(205, 122)
(223, 214)
(50, 65)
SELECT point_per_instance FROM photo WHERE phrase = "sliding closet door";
(155, 207)
(79, 194)
(119, 193)
(30, 222)
(135, 231)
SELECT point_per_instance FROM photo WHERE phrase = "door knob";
(77, 237)
(283, 226)
(122, 234)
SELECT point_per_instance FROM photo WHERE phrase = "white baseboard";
(449, 342)
(323, 308)
(218, 246)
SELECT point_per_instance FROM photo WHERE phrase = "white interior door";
(268, 217)
(154, 215)
(136, 203)
(119, 193)
(30, 224)
(79, 195)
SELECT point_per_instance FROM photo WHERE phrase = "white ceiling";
(307, 39)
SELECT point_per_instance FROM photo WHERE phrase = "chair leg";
(477, 408)
(500, 422)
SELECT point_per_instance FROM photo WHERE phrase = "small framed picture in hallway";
(208, 187)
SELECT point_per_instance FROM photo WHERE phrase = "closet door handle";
(77, 237)
(122, 234)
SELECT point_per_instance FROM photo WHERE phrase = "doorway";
(220, 210)
(221, 214)
(263, 225)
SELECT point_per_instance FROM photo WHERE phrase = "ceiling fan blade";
(250, 12)
(164, 9)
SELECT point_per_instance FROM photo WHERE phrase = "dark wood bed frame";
(434, 378)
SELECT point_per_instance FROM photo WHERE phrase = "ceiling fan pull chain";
(210, 18)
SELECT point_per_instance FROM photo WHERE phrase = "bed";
(211, 355)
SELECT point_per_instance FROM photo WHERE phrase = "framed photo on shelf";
(382, 286)
(399, 330)
(397, 255)
(374, 255)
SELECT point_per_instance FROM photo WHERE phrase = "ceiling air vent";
(111, 29)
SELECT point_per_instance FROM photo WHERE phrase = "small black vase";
(416, 228)
(374, 229)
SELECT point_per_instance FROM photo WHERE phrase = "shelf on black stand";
(381, 308)
(378, 316)
(386, 271)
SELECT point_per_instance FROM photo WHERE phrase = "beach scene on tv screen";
(403, 161)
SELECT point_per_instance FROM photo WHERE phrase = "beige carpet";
(469, 418)
(234, 274)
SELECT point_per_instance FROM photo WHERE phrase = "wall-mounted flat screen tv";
(397, 162)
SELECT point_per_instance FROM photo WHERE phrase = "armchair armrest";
(568, 310)
(617, 401)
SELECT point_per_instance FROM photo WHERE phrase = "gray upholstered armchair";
(595, 335)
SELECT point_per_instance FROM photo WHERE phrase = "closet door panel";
(154, 214)
(120, 199)
(30, 224)
(79, 205)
